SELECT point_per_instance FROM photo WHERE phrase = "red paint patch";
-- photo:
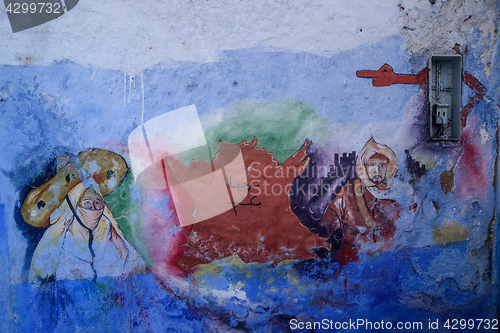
(472, 82)
(263, 232)
(347, 253)
(166, 238)
(385, 76)
(472, 176)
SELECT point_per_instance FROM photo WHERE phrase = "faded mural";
(264, 190)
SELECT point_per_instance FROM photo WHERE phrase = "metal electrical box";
(445, 94)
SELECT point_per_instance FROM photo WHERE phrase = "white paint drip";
(130, 87)
(226, 80)
(124, 89)
(142, 86)
(142, 113)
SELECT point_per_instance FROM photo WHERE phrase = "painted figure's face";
(377, 168)
(91, 200)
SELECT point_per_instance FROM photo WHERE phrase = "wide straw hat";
(107, 169)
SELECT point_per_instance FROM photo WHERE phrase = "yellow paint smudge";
(450, 232)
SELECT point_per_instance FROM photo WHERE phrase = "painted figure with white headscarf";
(82, 239)
(363, 210)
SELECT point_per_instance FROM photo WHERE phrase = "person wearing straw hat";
(83, 239)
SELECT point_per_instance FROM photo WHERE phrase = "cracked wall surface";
(302, 90)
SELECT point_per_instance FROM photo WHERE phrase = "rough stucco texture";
(269, 77)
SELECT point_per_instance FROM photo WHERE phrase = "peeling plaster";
(440, 27)
(447, 179)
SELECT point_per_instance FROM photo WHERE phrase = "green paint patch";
(281, 126)
(126, 211)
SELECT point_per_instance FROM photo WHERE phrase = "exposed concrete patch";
(450, 232)
(447, 179)
(447, 26)
(485, 138)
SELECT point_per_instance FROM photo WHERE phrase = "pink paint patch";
(472, 169)
(165, 237)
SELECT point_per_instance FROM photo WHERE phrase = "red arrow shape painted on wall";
(385, 76)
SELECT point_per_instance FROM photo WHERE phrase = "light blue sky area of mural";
(91, 105)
